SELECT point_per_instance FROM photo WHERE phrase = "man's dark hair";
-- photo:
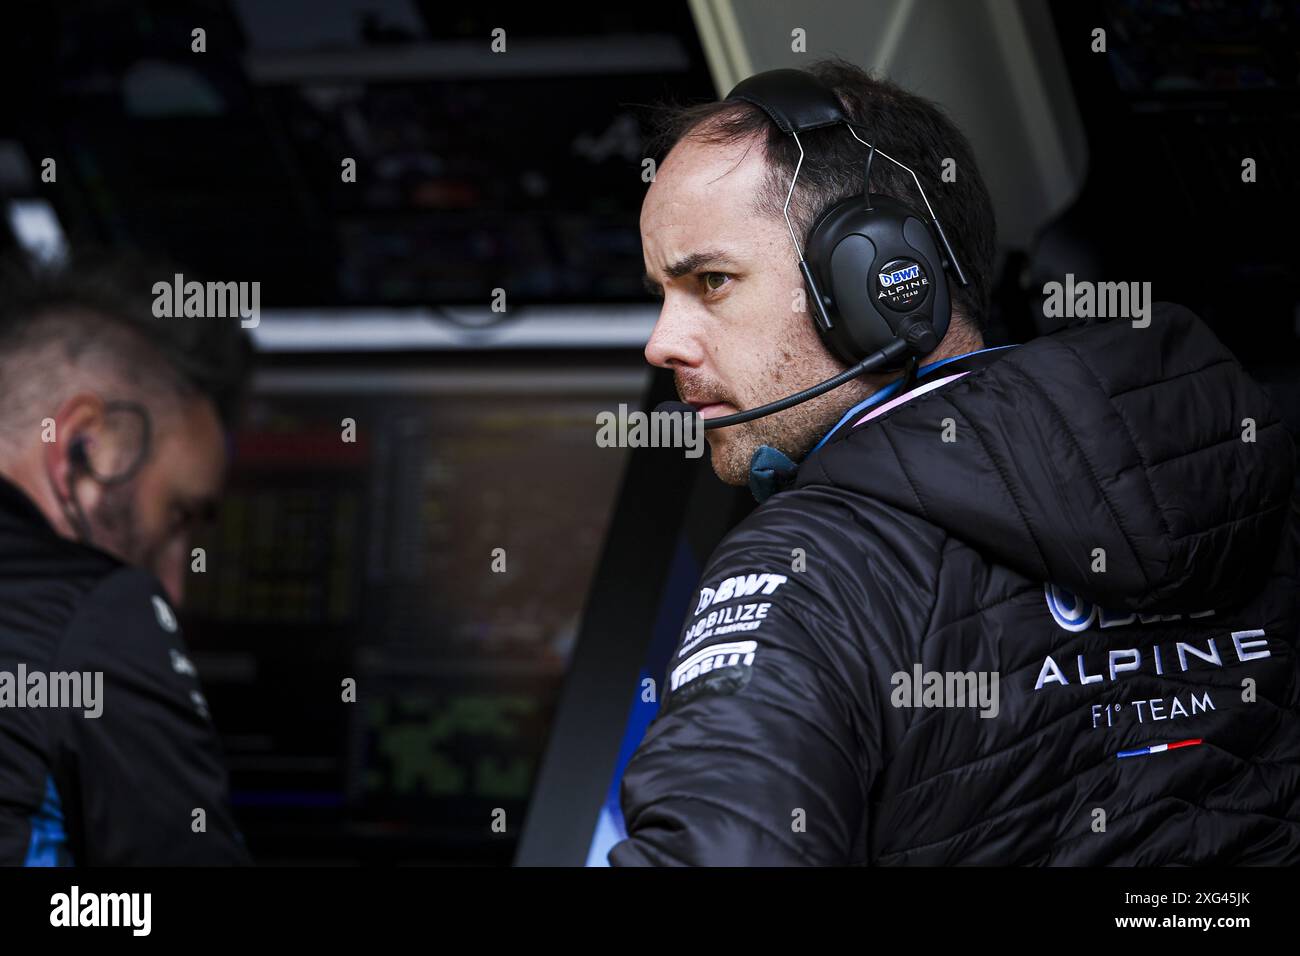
(908, 127)
(98, 305)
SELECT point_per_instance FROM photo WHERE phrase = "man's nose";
(673, 343)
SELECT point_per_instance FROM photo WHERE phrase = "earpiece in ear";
(78, 455)
(79, 462)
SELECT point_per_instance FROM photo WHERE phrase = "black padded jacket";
(1043, 613)
(118, 772)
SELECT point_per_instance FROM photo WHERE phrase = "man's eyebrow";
(686, 265)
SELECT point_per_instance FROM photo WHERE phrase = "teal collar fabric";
(772, 470)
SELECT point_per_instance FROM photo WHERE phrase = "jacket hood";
(1134, 441)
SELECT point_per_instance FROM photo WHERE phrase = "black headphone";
(873, 267)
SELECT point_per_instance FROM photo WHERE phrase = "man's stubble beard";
(803, 361)
(793, 431)
(115, 528)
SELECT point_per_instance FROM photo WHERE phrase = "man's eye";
(713, 281)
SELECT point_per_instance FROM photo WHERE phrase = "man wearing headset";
(998, 606)
(112, 446)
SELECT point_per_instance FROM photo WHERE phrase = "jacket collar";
(771, 470)
(17, 508)
(925, 375)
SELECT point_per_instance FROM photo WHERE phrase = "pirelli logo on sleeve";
(712, 659)
(722, 614)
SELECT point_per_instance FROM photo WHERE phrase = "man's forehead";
(701, 166)
(696, 171)
(703, 193)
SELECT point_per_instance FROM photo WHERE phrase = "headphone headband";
(875, 270)
(794, 100)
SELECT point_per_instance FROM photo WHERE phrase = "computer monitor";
(429, 530)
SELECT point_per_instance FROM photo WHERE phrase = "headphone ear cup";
(842, 332)
(880, 272)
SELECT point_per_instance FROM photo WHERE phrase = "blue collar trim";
(892, 387)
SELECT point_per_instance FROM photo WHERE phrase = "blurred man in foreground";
(112, 446)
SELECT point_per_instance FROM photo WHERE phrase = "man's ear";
(78, 434)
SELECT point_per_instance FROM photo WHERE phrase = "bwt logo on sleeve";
(742, 585)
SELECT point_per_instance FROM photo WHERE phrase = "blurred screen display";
(441, 559)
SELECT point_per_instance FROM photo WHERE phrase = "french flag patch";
(1159, 748)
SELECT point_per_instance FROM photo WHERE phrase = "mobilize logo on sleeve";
(730, 620)
(75, 908)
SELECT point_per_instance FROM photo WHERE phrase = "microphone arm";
(890, 353)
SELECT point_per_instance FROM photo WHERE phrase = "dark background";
(371, 560)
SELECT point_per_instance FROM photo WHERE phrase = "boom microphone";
(885, 356)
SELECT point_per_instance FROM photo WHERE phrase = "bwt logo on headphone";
(902, 275)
